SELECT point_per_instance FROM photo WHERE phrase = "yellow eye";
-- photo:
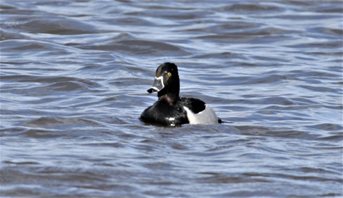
(169, 74)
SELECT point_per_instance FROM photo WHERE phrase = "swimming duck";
(170, 109)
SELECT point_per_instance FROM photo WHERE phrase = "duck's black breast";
(165, 114)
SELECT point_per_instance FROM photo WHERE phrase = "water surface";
(74, 76)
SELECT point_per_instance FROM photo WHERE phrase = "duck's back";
(198, 112)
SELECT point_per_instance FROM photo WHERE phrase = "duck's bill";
(157, 85)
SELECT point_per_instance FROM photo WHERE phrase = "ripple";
(327, 126)
(250, 34)
(251, 8)
(218, 178)
(53, 121)
(8, 35)
(282, 133)
(142, 47)
(41, 133)
(56, 80)
(29, 45)
(319, 88)
(57, 25)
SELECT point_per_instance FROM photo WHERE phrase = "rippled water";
(74, 76)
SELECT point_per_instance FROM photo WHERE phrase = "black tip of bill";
(152, 89)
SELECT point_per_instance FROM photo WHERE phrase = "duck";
(172, 110)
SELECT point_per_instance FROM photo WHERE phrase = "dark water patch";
(219, 55)
(103, 144)
(32, 179)
(15, 10)
(337, 137)
(8, 35)
(232, 27)
(335, 106)
(132, 21)
(218, 178)
(250, 8)
(140, 47)
(329, 7)
(56, 25)
(20, 163)
(306, 17)
(278, 133)
(245, 80)
(308, 178)
(174, 14)
(266, 79)
(327, 31)
(318, 44)
(48, 121)
(41, 133)
(48, 79)
(319, 88)
(31, 132)
(4, 6)
(250, 35)
(13, 131)
(276, 100)
(67, 86)
(36, 86)
(315, 74)
(28, 45)
(327, 127)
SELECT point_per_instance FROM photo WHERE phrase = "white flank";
(207, 116)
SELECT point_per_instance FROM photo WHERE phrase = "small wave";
(251, 8)
(56, 25)
(327, 127)
(142, 47)
(42, 133)
(319, 88)
(60, 121)
(281, 133)
(56, 81)
(8, 35)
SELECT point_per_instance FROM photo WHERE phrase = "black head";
(166, 81)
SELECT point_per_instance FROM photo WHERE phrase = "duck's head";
(166, 81)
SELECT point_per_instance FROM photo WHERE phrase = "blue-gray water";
(74, 76)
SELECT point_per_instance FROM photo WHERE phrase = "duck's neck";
(170, 98)
(170, 93)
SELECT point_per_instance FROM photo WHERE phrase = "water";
(74, 76)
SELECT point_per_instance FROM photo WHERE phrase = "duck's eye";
(167, 74)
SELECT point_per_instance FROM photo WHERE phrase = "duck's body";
(170, 109)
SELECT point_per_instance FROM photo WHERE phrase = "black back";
(195, 105)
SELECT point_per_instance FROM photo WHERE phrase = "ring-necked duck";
(170, 109)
